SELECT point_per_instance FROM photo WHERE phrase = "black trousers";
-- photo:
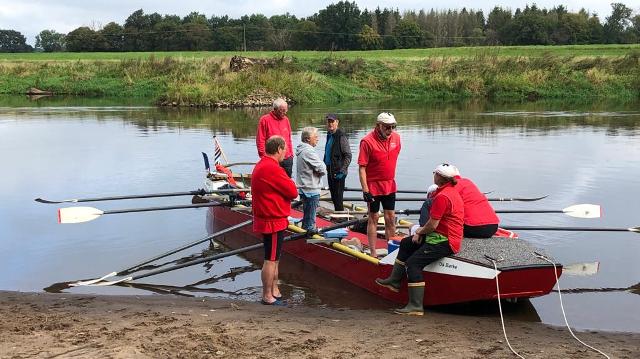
(287, 164)
(484, 231)
(336, 187)
(416, 256)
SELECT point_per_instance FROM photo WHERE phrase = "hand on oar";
(198, 192)
(86, 214)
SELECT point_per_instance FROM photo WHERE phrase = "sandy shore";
(64, 325)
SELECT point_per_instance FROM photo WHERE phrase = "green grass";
(505, 73)
(407, 54)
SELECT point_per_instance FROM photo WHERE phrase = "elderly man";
(273, 123)
(309, 172)
(378, 157)
(337, 157)
(272, 191)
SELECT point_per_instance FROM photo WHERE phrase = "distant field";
(408, 54)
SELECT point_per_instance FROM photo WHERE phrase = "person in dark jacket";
(337, 157)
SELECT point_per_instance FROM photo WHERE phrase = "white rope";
(555, 272)
(504, 331)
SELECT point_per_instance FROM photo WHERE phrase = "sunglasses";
(389, 127)
(331, 120)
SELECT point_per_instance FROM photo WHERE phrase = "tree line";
(341, 26)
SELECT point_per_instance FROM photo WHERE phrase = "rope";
(504, 331)
(564, 315)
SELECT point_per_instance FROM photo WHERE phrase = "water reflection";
(575, 153)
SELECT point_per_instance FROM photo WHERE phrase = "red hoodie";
(270, 125)
(272, 192)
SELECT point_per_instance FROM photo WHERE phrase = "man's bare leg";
(372, 234)
(275, 290)
(267, 275)
(389, 224)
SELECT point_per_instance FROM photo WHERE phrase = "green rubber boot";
(393, 282)
(416, 296)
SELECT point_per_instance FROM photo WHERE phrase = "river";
(58, 149)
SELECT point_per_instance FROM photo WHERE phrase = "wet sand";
(44, 325)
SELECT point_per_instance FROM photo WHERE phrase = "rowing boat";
(481, 269)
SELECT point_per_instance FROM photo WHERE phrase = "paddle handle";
(579, 229)
(239, 250)
(165, 208)
(186, 246)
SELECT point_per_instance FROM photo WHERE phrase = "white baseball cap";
(446, 170)
(386, 118)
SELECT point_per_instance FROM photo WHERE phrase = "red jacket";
(448, 208)
(270, 125)
(380, 158)
(477, 209)
(272, 192)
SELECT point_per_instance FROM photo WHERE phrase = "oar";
(160, 256)
(577, 211)
(415, 191)
(198, 192)
(571, 229)
(228, 254)
(421, 199)
(86, 214)
(581, 269)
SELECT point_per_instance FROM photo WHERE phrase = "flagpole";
(217, 143)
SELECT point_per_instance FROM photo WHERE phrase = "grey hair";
(307, 132)
(278, 102)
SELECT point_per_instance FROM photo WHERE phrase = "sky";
(29, 17)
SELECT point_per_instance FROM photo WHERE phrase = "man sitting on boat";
(309, 172)
(439, 237)
(272, 192)
(480, 219)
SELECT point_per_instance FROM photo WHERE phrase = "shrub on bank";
(209, 81)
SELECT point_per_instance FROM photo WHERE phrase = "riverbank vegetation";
(328, 77)
(342, 26)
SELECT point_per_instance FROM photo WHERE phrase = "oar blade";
(583, 211)
(78, 214)
(42, 200)
(581, 269)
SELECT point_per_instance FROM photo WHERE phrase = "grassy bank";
(564, 72)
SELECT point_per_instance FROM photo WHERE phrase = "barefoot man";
(272, 191)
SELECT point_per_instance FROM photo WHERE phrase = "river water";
(575, 153)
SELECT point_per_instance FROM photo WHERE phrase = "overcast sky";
(32, 16)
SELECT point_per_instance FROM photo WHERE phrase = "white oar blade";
(581, 269)
(583, 211)
(93, 281)
(78, 214)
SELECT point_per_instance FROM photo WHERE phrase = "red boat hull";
(441, 288)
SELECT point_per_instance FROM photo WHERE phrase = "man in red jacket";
(274, 123)
(272, 192)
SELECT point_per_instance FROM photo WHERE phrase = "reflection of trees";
(473, 117)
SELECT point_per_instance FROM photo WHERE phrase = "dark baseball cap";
(331, 116)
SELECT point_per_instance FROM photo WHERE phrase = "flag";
(218, 152)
